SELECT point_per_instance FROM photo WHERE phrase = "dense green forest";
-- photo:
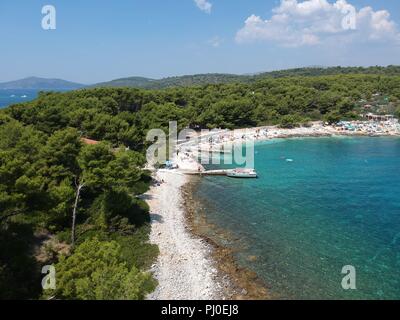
(76, 206)
(47, 181)
(124, 115)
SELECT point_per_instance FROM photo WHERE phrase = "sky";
(101, 40)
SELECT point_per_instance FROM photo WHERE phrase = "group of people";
(158, 182)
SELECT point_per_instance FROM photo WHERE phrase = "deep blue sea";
(337, 203)
(9, 97)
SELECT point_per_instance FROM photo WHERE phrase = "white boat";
(242, 173)
(24, 96)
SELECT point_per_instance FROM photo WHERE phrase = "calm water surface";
(337, 203)
(9, 97)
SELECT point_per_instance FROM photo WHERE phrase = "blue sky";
(100, 40)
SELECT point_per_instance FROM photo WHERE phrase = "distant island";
(35, 83)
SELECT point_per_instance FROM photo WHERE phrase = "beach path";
(184, 268)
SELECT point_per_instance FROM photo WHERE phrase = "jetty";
(186, 159)
(208, 173)
(233, 173)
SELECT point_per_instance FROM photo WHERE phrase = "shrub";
(96, 271)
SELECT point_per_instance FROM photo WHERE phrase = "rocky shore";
(184, 269)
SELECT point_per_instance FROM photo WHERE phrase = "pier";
(209, 173)
(233, 173)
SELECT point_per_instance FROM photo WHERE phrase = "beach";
(189, 265)
(184, 269)
(222, 140)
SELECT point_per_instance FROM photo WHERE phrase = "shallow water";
(337, 203)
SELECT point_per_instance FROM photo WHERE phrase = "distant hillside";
(199, 79)
(34, 83)
(137, 82)
(220, 78)
(179, 81)
(321, 71)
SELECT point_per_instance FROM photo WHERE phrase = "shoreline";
(203, 144)
(191, 265)
(183, 269)
(315, 130)
(240, 283)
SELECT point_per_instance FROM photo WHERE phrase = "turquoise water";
(9, 97)
(336, 204)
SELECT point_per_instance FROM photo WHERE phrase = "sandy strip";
(184, 268)
(317, 129)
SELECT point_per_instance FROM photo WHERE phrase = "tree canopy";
(97, 271)
(85, 196)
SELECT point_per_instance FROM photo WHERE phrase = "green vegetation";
(332, 117)
(97, 271)
(290, 121)
(320, 71)
(182, 81)
(56, 192)
(53, 184)
(122, 116)
(397, 112)
(221, 78)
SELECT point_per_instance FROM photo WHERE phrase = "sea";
(9, 97)
(322, 221)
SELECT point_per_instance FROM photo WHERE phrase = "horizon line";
(249, 74)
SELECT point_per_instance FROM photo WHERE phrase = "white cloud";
(215, 41)
(204, 5)
(298, 23)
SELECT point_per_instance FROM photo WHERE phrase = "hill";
(221, 78)
(178, 81)
(35, 83)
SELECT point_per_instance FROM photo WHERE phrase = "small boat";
(242, 173)
(24, 96)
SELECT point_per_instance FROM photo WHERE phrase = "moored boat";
(242, 173)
